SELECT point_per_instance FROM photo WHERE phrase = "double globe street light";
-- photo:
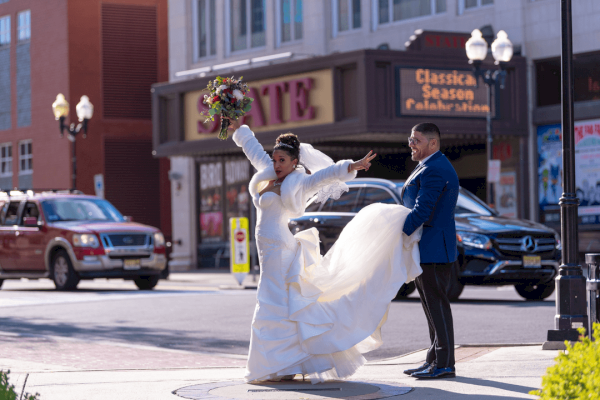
(477, 50)
(85, 111)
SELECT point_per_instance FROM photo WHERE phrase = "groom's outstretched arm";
(430, 191)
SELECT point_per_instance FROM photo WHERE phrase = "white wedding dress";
(317, 315)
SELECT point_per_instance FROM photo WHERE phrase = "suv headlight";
(473, 240)
(86, 240)
(159, 240)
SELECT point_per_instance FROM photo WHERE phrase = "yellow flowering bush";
(576, 374)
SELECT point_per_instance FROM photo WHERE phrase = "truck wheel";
(455, 287)
(536, 292)
(405, 290)
(146, 282)
(63, 274)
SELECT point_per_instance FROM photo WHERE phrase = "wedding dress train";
(316, 315)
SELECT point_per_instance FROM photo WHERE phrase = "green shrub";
(7, 391)
(576, 374)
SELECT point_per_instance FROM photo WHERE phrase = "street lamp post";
(571, 310)
(85, 111)
(502, 50)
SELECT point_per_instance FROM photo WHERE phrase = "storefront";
(345, 105)
(546, 117)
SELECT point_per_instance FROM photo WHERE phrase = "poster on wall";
(587, 171)
(237, 197)
(211, 204)
(506, 194)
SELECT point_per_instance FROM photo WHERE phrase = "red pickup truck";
(67, 236)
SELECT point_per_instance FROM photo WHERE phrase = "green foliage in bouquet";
(576, 374)
(7, 391)
(227, 98)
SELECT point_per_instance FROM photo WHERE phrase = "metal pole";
(74, 174)
(571, 310)
(490, 140)
(593, 289)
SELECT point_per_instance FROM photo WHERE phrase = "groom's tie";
(412, 175)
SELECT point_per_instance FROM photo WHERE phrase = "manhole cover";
(292, 390)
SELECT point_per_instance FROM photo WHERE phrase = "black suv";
(492, 250)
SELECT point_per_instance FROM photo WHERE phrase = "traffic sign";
(240, 248)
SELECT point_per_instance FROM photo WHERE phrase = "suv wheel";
(455, 287)
(63, 274)
(536, 292)
(405, 290)
(146, 282)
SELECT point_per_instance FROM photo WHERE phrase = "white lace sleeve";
(329, 182)
(257, 155)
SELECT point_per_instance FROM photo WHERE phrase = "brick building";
(111, 51)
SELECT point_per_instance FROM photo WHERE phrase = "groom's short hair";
(429, 130)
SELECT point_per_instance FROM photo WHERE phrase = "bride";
(316, 315)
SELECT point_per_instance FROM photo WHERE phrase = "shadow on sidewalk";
(495, 384)
(197, 340)
(495, 302)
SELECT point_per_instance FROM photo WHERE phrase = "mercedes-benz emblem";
(528, 244)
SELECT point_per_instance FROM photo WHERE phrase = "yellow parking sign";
(240, 248)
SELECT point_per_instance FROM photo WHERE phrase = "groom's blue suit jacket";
(431, 192)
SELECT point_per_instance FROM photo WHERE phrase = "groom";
(431, 192)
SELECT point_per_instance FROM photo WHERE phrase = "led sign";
(441, 93)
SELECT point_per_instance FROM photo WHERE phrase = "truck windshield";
(73, 209)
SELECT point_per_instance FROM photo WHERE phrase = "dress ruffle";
(339, 302)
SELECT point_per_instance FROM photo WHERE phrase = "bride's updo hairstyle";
(289, 143)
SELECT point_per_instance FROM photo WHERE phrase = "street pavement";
(75, 366)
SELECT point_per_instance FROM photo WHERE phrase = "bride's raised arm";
(257, 155)
(342, 171)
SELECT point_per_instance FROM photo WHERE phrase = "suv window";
(346, 203)
(11, 217)
(375, 195)
(31, 210)
(314, 206)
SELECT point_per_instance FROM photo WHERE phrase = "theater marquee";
(439, 93)
(282, 103)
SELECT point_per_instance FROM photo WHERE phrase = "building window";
(24, 25)
(25, 157)
(346, 15)
(476, 3)
(205, 31)
(4, 30)
(5, 159)
(247, 24)
(291, 20)
(397, 10)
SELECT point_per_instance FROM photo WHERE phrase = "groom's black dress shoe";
(435, 373)
(418, 369)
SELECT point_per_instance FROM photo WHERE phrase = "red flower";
(233, 100)
(216, 98)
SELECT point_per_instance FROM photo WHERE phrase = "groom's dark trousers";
(431, 192)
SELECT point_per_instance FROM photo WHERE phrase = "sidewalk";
(68, 369)
(216, 279)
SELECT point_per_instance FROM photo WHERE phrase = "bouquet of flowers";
(227, 97)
